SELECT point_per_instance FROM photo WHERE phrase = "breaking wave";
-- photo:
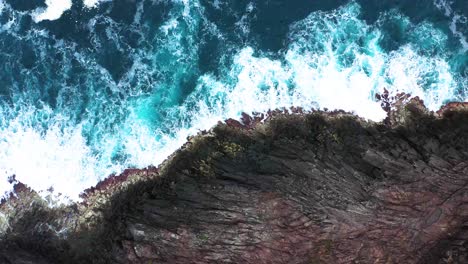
(112, 85)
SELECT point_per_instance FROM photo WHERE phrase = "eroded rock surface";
(296, 188)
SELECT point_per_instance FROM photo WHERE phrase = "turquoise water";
(89, 88)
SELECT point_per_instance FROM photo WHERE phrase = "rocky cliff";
(294, 187)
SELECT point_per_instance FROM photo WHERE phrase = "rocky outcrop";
(293, 187)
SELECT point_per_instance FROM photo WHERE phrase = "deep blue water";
(94, 90)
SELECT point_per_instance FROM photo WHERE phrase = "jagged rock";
(294, 188)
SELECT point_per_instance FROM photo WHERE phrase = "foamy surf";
(56, 8)
(93, 3)
(457, 21)
(53, 11)
(103, 120)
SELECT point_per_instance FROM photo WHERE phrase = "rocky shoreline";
(287, 187)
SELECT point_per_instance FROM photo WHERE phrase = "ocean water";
(91, 87)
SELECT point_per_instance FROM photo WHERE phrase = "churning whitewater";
(89, 88)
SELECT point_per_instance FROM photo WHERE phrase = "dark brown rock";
(298, 188)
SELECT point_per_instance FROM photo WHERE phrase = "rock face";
(296, 188)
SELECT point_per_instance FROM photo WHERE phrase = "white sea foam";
(93, 3)
(453, 27)
(446, 7)
(53, 11)
(90, 3)
(56, 8)
(332, 61)
(59, 159)
(259, 84)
